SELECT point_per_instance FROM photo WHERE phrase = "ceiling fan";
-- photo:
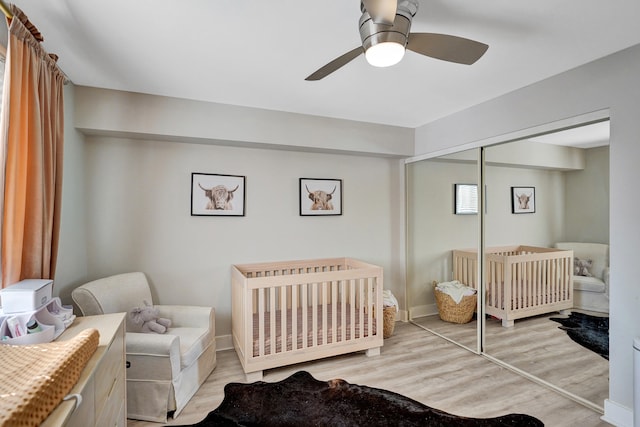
(384, 30)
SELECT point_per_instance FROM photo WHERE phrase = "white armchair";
(591, 293)
(163, 370)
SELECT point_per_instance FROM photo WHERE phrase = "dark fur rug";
(591, 332)
(301, 400)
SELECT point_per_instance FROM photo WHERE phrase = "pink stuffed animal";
(146, 319)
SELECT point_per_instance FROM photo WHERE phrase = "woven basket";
(388, 321)
(455, 313)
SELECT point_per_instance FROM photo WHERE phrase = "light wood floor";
(419, 365)
(536, 345)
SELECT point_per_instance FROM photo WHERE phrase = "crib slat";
(272, 320)
(370, 306)
(534, 283)
(334, 311)
(305, 315)
(343, 310)
(261, 314)
(507, 288)
(324, 312)
(546, 289)
(361, 307)
(352, 308)
(314, 314)
(554, 280)
(529, 300)
(284, 337)
(294, 317)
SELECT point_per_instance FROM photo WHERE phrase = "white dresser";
(102, 383)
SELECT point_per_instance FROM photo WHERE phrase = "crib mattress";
(308, 334)
(35, 378)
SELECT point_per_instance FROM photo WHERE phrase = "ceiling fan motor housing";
(372, 34)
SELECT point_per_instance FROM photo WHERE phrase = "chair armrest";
(605, 279)
(153, 344)
(188, 316)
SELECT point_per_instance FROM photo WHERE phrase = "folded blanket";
(455, 290)
(35, 378)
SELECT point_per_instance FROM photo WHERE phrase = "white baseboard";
(616, 414)
(422, 311)
(402, 316)
(224, 342)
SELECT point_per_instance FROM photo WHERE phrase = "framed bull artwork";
(320, 196)
(523, 200)
(217, 195)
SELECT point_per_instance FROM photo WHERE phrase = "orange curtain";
(31, 132)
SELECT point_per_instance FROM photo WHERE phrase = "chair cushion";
(193, 342)
(598, 253)
(590, 284)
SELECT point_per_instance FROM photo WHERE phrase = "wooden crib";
(521, 281)
(295, 311)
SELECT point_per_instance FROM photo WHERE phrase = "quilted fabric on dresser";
(35, 378)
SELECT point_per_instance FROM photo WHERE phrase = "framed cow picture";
(523, 200)
(320, 196)
(217, 195)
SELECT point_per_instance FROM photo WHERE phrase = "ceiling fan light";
(384, 54)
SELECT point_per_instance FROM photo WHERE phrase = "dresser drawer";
(109, 373)
(113, 405)
(82, 416)
(102, 383)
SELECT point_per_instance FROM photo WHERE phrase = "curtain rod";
(5, 9)
(7, 12)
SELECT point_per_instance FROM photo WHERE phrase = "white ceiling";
(588, 136)
(258, 52)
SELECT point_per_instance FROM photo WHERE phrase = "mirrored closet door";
(441, 218)
(542, 195)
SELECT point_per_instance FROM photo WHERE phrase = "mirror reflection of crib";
(521, 281)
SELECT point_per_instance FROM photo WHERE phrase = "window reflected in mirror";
(466, 199)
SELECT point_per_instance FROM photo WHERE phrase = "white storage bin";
(55, 314)
(53, 319)
(26, 295)
(46, 333)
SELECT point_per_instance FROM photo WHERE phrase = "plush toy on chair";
(146, 319)
(582, 267)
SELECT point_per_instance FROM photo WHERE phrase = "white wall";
(609, 84)
(71, 268)
(137, 202)
(128, 164)
(433, 229)
(544, 227)
(126, 114)
(587, 199)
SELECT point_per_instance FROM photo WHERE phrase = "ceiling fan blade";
(336, 64)
(446, 47)
(381, 11)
